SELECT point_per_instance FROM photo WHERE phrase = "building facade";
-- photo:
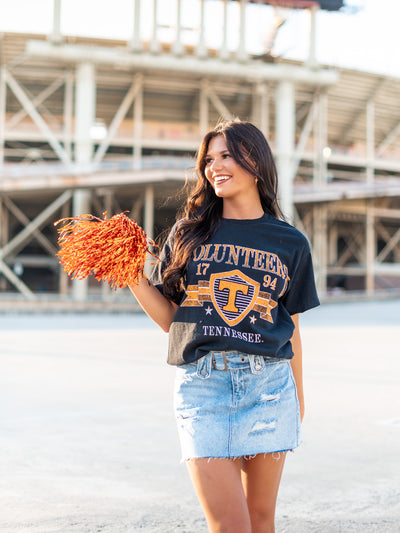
(98, 125)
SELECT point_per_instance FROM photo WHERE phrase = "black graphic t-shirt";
(241, 288)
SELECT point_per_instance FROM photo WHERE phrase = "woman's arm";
(297, 363)
(154, 304)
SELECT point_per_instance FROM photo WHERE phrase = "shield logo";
(233, 295)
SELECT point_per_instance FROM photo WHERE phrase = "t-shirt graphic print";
(241, 288)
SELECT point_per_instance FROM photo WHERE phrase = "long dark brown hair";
(203, 211)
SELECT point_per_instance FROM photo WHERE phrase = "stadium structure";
(92, 125)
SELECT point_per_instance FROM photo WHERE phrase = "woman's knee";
(230, 525)
(262, 520)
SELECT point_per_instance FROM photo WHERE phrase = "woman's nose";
(216, 164)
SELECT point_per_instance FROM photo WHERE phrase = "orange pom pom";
(114, 249)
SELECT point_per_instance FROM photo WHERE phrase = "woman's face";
(229, 180)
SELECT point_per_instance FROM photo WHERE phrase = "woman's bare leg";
(261, 477)
(218, 485)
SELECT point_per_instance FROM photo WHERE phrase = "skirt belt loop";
(214, 362)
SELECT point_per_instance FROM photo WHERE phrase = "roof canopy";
(328, 5)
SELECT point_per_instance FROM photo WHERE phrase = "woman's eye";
(208, 160)
(225, 156)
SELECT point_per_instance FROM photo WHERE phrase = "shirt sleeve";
(302, 293)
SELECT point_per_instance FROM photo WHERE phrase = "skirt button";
(243, 359)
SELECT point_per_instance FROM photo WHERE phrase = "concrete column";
(135, 43)
(3, 224)
(106, 291)
(370, 249)
(85, 112)
(320, 248)
(149, 211)
(312, 51)
(177, 46)
(148, 222)
(80, 206)
(55, 36)
(370, 134)
(333, 244)
(260, 109)
(322, 129)
(241, 53)
(63, 279)
(68, 113)
(155, 46)
(138, 125)
(223, 51)
(204, 108)
(3, 92)
(201, 49)
(4, 230)
(285, 142)
(85, 107)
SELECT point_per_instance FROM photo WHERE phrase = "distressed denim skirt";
(231, 404)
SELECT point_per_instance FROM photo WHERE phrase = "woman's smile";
(219, 179)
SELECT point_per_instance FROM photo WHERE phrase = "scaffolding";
(95, 125)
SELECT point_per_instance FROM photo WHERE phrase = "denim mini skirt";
(231, 404)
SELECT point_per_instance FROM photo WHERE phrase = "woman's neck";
(242, 212)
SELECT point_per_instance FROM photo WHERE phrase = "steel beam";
(252, 71)
(388, 140)
(14, 279)
(118, 117)
(36, 102)
(355, 246)
(19, 215)
(390, 245)
(218, 104)
(303, 139)
(24, 235)
(343, 135)
(37, 118)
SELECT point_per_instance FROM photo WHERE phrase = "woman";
(232, 280)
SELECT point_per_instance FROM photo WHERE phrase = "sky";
(365, 36)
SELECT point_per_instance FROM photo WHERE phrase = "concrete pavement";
(89, 442)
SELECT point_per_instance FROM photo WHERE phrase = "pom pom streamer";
(114, 249)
